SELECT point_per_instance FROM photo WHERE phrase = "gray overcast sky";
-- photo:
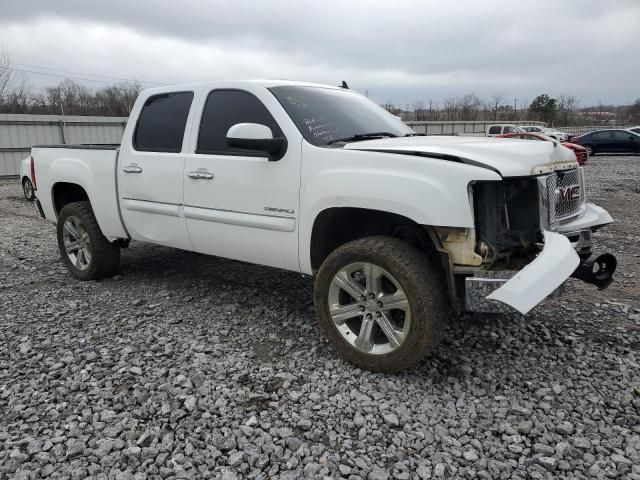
(398, 50)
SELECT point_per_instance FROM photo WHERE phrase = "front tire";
(381, 303)
(27, 189)
(85, 251)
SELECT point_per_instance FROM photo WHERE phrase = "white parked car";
(549, 132)
(501, 128)
(25, 179)
(397, 229)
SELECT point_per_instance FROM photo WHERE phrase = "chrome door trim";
(242, 219)
(146, 206)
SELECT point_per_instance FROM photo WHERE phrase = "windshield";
(324, 115)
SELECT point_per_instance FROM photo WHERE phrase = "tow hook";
(597, 270)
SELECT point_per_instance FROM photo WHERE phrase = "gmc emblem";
(569, 193)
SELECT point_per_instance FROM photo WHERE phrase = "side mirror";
(254, 136)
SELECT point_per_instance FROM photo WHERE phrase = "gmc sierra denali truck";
(399, 230)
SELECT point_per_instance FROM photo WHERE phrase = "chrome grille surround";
(561, 196)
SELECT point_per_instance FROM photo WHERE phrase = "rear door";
(625, 141)
(150, 170)
(238, 204)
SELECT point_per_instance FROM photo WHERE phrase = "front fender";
(426, 190)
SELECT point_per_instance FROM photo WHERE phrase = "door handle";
(201, 174)
(132, 168)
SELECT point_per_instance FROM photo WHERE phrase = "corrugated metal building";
(18, 133)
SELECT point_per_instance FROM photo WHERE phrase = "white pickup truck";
(398, 229)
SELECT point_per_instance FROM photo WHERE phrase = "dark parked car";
(609, 141)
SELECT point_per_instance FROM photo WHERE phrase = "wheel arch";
(335, 226)
(63, 193)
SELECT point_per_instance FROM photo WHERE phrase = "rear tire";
(85, 251)
(590, 150)
(381, 303)
(27, 189)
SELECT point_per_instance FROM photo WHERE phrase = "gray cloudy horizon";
(397, 51)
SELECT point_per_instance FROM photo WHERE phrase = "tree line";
(564, 110)
(66, 98)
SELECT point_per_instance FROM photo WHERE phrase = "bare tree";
(419, 107)
(567, 105)
(470, 107)
(497, 99)
(5, 72)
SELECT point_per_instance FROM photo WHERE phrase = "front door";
(237, 203)
(150, 171)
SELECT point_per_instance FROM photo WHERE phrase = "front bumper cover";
(524, 289)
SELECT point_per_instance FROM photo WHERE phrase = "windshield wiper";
(362, 136)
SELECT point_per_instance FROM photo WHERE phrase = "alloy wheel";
(27, 188)
(369, 308)
(77, 243)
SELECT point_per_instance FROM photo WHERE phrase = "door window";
(225, 108)
(494, 130)
(621, 136)
(162, 122)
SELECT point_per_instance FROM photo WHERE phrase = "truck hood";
(509, 157)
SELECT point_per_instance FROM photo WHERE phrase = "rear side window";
(225, 108)
(162, 121)
(621, 135)
(509, 130)
(494, 130)
(600, 135)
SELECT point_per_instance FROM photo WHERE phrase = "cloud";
(397, 50)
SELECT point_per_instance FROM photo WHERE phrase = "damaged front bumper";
(502, 291)
(523, 289)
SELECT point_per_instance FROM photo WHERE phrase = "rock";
(223, 442)
(525, 427)
(391, 419)
(470, 456)
(235, 459)
(377, 473)
(616, 458)
(544, 449)
(190, 403)
(549, 463)
(135, 370)
(293, 443)
(145, 439)
(228, 475)
(564, 428)
(252, 422)
(75, 448)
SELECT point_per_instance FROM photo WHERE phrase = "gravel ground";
(187, 366)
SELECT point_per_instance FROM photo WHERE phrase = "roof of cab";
(217, 83)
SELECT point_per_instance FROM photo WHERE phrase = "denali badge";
(279, 210)
(568, 193)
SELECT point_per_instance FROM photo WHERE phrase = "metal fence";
(589, 128)
(18, 133)
(459, 128)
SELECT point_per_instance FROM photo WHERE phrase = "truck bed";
(90, 166)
